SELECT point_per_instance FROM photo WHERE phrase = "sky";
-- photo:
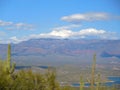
(21, 20)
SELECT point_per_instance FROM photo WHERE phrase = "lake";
(114, 80)
(26, 67)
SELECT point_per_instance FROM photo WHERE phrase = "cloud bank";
(16, 26)
(84, 33)
(77, 18)
(63, 33)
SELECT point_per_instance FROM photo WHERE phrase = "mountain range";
(70, 47)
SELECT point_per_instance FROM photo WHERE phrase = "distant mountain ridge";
(64, 47)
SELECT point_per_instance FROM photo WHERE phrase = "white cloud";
(63, 31)
(67, 27)
(84, 33)
(53, 34)
(20, 26)
(58, 32)
(91, 31)
(76, 18)
(4, 23)
(63, 34)
(15, 39)
(16, 26)
(66, 32)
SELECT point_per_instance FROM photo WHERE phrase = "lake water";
(25, 67)
(114, 80)
(22, 67)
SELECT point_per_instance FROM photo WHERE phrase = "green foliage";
(27, 80)
(9, 67)
(52, 84)
(98, 82)
(81, 83)
(67, 88)
(6, 67)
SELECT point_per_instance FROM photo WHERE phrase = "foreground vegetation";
(30, 80)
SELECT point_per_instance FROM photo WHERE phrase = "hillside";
(105, 48)
(63, 51)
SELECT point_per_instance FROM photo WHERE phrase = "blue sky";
(22, 20)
